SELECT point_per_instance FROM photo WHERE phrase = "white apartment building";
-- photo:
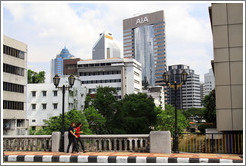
(45, 100)
(14, 87)
(123, 74)
(157, 92)
(209, 83)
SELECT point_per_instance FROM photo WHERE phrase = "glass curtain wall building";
(144, 39)
(57, 63)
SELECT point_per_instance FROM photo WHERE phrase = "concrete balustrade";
(155, 142)
(27, 143)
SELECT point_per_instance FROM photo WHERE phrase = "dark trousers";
(75, 144)
(79, 140)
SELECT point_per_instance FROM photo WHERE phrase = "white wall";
(40, 114)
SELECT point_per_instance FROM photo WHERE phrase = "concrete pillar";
(160, 142)
(56, 136)
(66, 141)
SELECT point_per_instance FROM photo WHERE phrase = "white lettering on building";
(142, 20)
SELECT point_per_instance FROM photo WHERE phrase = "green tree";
(136, 114)
(106, 101)
(55, 123)
(38, 132)
(209, 104)
(34, 77)
(193, 112)
(88, 101)
(166, 120)
(95, 120)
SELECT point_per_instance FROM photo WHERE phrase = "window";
(13, 52)
(33, 121)
(33, 106)
(44, 93)
(20, 123)
(13, 69)
(33, 93)
(13, 87)
(13, 105)
(33, 127)
(55, 93)
(44, 106)
(136, 81)
(136, 73)
(55, 106)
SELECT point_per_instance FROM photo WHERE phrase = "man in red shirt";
(77, 133)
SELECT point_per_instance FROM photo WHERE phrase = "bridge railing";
(27, 143)
(130, 143)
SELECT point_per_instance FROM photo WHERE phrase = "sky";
(46, 27)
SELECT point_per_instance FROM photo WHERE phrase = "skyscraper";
(57, 63)
(208, 82)
(105, 47)
(189, 94)
(145, 40)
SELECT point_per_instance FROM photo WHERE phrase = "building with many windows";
(144, 39)
(227, 28)
(189, 94)
(57, 66)
(208, 82)
(157, 93)
(14, 87)
(123, 74)
(201, 91)
(45, 100)
(105, 47)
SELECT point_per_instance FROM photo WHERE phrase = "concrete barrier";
(160, 142)
(56, 138)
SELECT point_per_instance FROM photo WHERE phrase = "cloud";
(48, 27)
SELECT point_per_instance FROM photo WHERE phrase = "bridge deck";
(127, 156)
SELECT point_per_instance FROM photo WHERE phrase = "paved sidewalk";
(120, 157)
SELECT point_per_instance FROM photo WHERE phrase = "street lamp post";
(175, 86)
(56, 81)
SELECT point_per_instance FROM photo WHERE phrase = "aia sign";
(142, 20)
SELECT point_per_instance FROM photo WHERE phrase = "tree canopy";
(131, 115)
(136, 114)
(34, 77)
(210, 105)
(54, 123)
(193, 112)
(95, 120)
(166, 120)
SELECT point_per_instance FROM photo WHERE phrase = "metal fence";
(231, 143)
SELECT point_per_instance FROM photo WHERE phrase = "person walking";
(72, 138)
(77, 133)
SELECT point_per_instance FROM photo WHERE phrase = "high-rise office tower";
(105, 47)
(208, 82)
(144, 39)
(189, 94)
(57, 63)
(201, 91)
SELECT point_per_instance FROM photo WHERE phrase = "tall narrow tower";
(145, 40)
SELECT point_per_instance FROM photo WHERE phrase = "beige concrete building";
(227, 28)
(14, 87)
